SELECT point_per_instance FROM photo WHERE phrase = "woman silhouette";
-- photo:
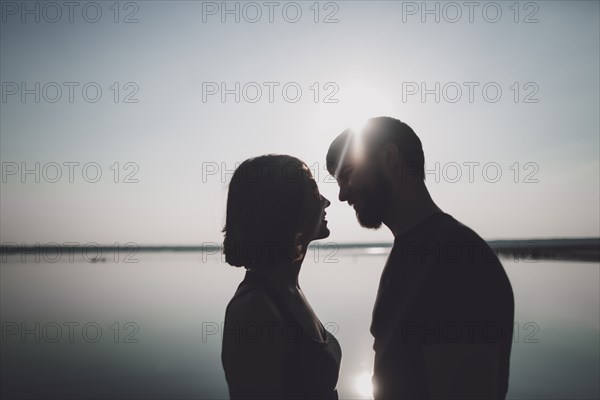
(274, 346)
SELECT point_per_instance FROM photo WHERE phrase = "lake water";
(152, 329)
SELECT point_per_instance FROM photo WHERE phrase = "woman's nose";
(325, 201)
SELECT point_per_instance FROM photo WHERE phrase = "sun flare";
(363, 385)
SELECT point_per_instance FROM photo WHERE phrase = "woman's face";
(313, 222)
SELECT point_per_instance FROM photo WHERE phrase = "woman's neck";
(284, 275)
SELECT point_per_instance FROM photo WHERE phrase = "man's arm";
(461, 291)
(462, 370)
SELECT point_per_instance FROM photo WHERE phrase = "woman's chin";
(323, 232)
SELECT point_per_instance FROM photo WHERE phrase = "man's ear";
(390, 157)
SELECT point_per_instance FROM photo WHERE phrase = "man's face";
(365, 188)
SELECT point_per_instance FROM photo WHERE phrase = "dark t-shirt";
(442, 284)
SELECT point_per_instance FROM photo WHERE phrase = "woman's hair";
(264, 205)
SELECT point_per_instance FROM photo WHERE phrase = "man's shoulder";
(450, 228)
(454, 243)
(448, 231)
(466, 257)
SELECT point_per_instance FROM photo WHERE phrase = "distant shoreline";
(584, 249)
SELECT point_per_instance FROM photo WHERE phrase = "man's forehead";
(346, 164)
(344, 153)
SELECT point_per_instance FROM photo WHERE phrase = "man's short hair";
(377, 133)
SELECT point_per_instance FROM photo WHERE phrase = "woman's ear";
(299, 246)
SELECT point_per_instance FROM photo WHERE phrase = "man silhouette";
(443, 318)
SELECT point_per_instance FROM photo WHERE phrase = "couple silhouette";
(443, 317)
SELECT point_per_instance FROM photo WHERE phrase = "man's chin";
(368, 222)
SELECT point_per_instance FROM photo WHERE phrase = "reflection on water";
(174, 304)
(363, 385)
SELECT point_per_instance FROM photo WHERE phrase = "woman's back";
(268, 353)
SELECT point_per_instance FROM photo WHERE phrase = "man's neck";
(407, 211)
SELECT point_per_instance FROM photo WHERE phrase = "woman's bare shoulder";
(253, 306)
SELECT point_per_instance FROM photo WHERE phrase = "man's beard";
(374, 202)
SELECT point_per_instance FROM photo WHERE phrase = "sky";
(164, 99)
